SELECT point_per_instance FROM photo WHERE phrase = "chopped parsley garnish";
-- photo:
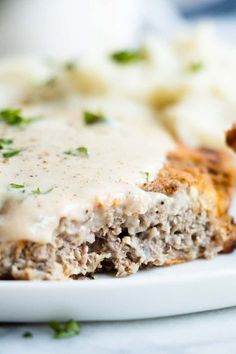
(16, 186)
(69, 66)
(37, 191)
(79, 151)
(146, 175)
(62, 330)
(10, 153)
(27, 334)
(195, 66)
(25, 189)
(51, 82)
(13, 116)
(93, 118)
(5, 142)
(127, 56)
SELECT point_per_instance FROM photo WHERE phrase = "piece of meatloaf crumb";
(188, 220)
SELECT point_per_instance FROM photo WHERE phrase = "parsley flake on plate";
(127, 56)
(93, 118)
(27, 334)
(79, 151)
(62, 330)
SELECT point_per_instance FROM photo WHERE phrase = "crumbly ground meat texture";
(190, 220)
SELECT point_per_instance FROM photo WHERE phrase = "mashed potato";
(188, 81)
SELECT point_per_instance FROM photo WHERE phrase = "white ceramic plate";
(184, 288)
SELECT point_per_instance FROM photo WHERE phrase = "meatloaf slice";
(187, 219)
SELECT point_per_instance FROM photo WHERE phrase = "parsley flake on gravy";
(79, 151)
(51, 82)
(25, 189)
(127, 56)
(5, 142)
(195, 66)
(146, 175)
(15, 117)
(93, 118)
(62, 330)
(7, 150)
(10, 153)
(69, 66)
(38, 191)
(16, 186)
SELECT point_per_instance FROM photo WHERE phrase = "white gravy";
(123, 153)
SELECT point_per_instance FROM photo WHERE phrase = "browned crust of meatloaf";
(213, 172)
(230, 137)
(210, 172)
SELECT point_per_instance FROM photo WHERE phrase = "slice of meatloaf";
(188, 220)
